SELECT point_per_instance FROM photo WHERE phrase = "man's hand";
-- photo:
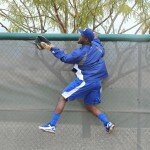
(46, 46)
(43, 43)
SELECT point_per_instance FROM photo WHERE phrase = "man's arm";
(71, 58)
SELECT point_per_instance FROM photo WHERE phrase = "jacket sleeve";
(71, 58)
(99, 45)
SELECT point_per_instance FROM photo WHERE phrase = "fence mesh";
(31, 82)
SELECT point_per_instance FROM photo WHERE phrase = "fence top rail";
(75, 37)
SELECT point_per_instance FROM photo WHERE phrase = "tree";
(66, 16)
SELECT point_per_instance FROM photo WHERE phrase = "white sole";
(111, 129)
(47, 130)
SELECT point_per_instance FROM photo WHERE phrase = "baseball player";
(90, 69)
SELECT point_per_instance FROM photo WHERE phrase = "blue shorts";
(90, 92)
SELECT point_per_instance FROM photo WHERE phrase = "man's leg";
(58, 110)
(60, 105)
(101, 116)
(95, 111)
(50, 126)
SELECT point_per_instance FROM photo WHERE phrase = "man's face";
(82, 40)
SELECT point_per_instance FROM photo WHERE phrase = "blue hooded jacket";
(88, 59)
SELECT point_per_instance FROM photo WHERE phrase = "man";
(89, 68)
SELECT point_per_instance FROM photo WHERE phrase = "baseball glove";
(40, 39)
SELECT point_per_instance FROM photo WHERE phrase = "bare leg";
(93, 109)
(60, 105)
(50, 126)
(101, 116)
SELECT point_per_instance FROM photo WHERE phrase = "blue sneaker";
(47, 127)
(109, 127)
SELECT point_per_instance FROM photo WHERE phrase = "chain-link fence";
(30, 85)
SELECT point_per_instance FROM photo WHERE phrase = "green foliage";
(125, 9)
(68, 16)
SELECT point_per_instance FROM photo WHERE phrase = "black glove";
(40, 39)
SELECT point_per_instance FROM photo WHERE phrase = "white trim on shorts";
(68, 94)
(80, 77)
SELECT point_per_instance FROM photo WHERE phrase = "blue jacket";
(88, 60)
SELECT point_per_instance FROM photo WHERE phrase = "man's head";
(87, 36)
